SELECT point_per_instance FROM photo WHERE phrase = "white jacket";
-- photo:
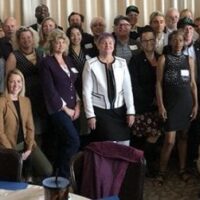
(95, 86)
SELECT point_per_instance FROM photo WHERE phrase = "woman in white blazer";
(107, 94)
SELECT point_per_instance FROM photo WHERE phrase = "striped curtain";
(23, 10)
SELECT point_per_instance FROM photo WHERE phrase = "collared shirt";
(160, 43)
(38, 27)
(166, 35)
(190, 51)
(125, 50)
(134, 29)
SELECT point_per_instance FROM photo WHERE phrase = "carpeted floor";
(173, 188)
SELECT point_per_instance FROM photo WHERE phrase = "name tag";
(185, 72)
(88, 46)
(87, 57)
(74, 70)
(133, 47)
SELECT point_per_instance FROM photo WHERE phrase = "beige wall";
(23, 10)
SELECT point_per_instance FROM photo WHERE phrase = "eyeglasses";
(23, 28)
(98, 25)
(124, 25)
(132, 14)
(146, 41)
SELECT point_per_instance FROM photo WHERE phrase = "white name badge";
(133, 47)
(88, 46)
(87, 57)
(184, 72)
(74, 70)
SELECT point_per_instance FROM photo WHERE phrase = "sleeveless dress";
(177, 92)
(33, 87)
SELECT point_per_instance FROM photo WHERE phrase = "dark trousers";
(36, 164)
(67, 141)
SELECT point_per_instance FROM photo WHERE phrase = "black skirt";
(178, 104)
(111, 125)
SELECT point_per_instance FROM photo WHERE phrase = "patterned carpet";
(173, 188)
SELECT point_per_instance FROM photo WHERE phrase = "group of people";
(131, 86)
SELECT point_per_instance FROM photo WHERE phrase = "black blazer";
(57, 85)
(143, 78)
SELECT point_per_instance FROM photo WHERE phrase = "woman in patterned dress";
(142, 67)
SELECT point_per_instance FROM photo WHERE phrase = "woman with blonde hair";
(58, 76)
(47, 25)
(17, 127)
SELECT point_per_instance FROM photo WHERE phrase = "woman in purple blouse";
(58, 76)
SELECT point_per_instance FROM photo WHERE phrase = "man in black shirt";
(9, 28)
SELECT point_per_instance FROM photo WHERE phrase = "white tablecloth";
(31, 193)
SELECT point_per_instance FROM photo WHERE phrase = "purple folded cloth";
(104, 168)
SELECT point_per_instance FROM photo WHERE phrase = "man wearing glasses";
(124, 45)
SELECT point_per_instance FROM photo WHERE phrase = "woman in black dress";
(177, 101)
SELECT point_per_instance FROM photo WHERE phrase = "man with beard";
(10, 26)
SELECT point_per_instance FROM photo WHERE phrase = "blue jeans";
(68, 141)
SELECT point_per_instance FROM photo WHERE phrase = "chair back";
(76, 171)
(133, 184)
(10, 165)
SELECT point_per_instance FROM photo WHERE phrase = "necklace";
(27, 52)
